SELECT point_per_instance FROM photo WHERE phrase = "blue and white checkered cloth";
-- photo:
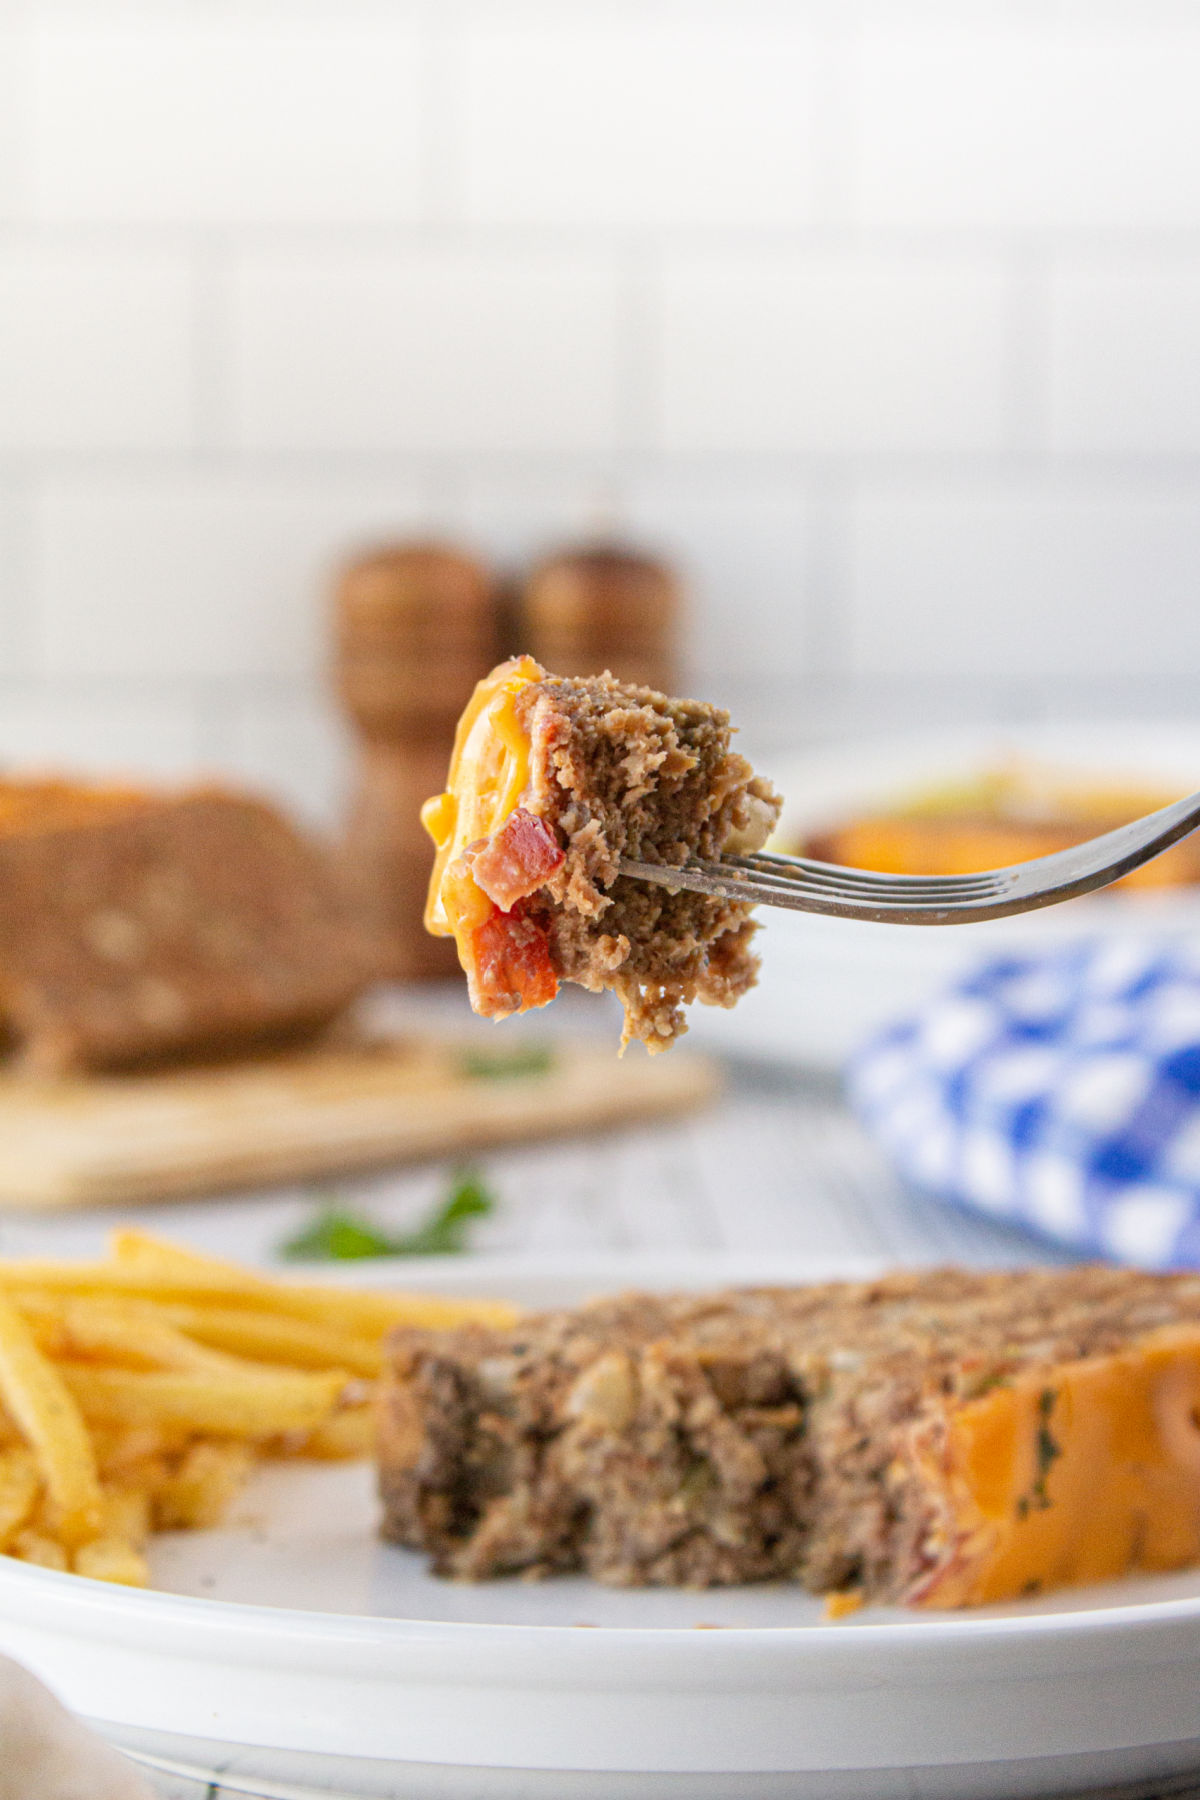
(1060, 1092)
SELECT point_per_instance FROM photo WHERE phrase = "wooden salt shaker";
(604, 607)
(415, 629)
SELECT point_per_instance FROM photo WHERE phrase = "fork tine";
(753, 887)
(774, 859)
(848, 892)
(766, 878)
(935, 892)
(790, 868)
(799, 895)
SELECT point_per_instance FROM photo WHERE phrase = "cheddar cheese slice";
(1069, 1475)
(489, 771)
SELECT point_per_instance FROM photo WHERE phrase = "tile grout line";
(213, 388)
(1119, 469)
(835, 121)
(441, 122)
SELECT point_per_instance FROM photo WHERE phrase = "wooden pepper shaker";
(604, 607)
(415, 628)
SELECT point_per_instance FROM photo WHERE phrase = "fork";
(768, 879)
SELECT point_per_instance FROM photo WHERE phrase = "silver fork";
(767, 879)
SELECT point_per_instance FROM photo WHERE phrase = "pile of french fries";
(138, 1392)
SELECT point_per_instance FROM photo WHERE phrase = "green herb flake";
(444, 1232)
(1048, 1448)
(698, 1483)
(339, 1235)
(506, 1065)
(335, 1235)
(976, 1387)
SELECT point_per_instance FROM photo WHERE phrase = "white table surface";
(776, 1165)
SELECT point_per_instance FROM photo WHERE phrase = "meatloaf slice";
(942, 1438)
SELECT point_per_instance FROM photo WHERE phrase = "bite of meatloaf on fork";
(553, 780)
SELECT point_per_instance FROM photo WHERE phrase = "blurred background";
(881, 322)
(863, 336)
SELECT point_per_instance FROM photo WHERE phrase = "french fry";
(128, 1509)
(37, 1275)
(35, 1547)
(130, 1451)
(144, 1267)
(128, 1333)
(345, 1434)
(227, 1405)
(134, 1249)
(111, 1559)
(137, 1394)
(267, 1338)
(20, 1485)
(205, 1485)
(40, 1402)
(360, 1310)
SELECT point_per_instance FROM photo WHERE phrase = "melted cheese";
(489, 771)
(1076, 1474)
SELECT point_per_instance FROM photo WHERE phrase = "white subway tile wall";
(47, 730)
(424, 350)
(96, 347)
(1125, 357)
(251, 121)
(1031, 122)
(832, 354)
(881, 317)
(587, 120)
(742, 545)
(200, 576)
(14, 85)
(954, 584)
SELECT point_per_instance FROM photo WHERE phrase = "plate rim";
(938, 1632)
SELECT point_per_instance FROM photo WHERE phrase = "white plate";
(827, 984)
(339, 1666)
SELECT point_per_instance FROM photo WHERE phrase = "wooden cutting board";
(117, 1139)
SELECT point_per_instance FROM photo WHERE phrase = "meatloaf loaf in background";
(938, 1438)
(135, 927)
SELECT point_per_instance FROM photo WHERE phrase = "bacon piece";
(508, 965)
(516, 860)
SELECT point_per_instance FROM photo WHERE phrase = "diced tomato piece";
(508, 965)
(516, 860)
